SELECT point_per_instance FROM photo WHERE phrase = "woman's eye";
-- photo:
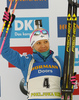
(38, 43)
(46, 41)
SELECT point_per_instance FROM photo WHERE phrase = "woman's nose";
(43, 45)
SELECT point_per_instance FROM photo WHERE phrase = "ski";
(67, 48)
(72, 51)
(67, 88)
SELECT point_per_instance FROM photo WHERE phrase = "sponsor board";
(76, 86)
(23, 27)
(61, 50)
(62, 26)
(30, 4)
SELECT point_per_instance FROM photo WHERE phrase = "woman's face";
(41, 45)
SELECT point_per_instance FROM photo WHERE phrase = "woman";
(44, 78)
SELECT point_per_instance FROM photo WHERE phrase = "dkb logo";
(23, 27)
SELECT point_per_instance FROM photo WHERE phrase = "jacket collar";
(39, 58)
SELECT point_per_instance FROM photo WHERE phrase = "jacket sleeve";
(13, 56)
(62, 67)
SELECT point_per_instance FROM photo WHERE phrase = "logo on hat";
(41, 36)
(32, 43)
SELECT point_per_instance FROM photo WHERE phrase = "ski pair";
(16, 1)
(67, 87)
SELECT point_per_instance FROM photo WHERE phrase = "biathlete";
(44, 78)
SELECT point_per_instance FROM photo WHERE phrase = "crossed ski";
(67, 87)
